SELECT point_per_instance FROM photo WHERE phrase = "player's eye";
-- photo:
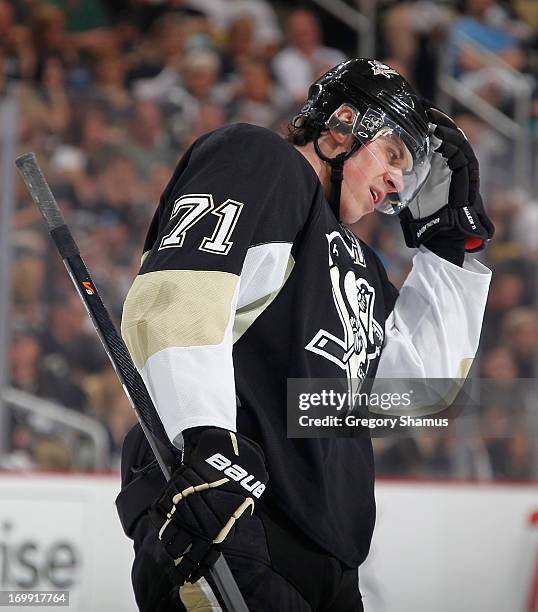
(395, 156)
(398, 155)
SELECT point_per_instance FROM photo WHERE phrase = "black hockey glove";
(448, 215)
(221, 477)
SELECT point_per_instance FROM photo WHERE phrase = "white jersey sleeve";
(434, 329)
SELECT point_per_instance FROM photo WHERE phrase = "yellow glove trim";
(185, 493)
(248, 503)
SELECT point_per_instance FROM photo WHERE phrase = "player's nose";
(393, 181)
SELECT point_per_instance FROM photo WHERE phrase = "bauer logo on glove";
(237, 473)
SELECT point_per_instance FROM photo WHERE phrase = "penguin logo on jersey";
(354, 299)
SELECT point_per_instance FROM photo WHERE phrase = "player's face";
(370, 174)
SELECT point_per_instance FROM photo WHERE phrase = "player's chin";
(353, 211)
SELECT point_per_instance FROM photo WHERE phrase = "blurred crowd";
(110, 94)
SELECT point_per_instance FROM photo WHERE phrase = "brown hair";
(302, 130)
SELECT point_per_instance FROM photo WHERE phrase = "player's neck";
(320, 167)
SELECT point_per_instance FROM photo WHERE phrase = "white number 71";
(195, 206)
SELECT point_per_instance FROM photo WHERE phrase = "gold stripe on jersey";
(247, 315)
(176, 308)
(465, 366)
(198, 597)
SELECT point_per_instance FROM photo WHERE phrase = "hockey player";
(250, 276)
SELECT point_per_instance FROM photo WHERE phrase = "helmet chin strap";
(337, 173)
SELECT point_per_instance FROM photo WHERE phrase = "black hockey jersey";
(248, 280)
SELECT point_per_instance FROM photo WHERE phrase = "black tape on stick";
(64, 241)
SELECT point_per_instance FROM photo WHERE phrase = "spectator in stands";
(521, 217)
(119, 188)
(70, 351)
(304, 57)
(498, 364)
(199, 86)
(239, 47)
(50, 38)
(478, 33)
(22, 442)
(210, 117)
(222, 13)
(25, 362)
(120, 419)
(43, 108)
(75, 160)
(258, 100)
(517, 465)
(51, 453)
(147, 139)
(412, 32)
(92, 131)
(508, 440)
(200, 75)
(520, 333)
(110, 406)
(161, 74)
(109, 77)
(53, 93)
(417, 455)
(507, 292)
(16, 50)
(29, 272)
(30, 373)
(502, 399)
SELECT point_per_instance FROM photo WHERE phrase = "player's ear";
(343, 120)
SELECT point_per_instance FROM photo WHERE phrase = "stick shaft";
(39, 190)
(131, 381)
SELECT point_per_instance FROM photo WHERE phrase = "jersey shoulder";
(238, 154)
(249, 144)
(268, 187)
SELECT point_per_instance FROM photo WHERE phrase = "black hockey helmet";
(385, 106)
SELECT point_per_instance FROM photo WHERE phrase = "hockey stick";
(132, 383)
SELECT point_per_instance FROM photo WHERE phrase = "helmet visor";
(403, 163)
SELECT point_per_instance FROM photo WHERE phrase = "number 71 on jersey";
(189, 209)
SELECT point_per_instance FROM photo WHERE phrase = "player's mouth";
(377, 195)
